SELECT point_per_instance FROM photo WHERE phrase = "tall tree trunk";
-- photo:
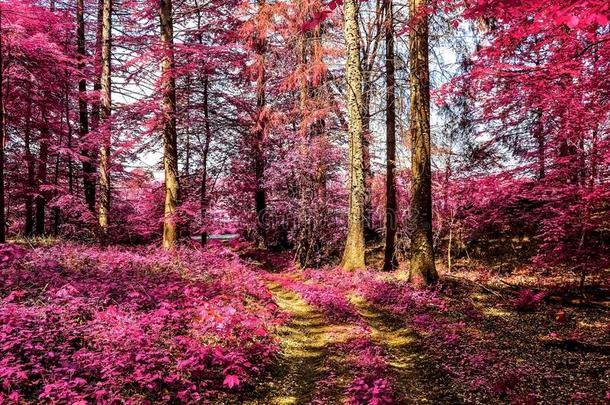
(170, 147)
(88, 166)
(204, 158)
(303, 248)
(2, 139)
(423, 270)
(29, 201)
(260, 198)
(105, 111)
(353, 255)
(69, 127)
(56, 210)
(539, 136)
(40, 200)
(319, 92)
(369, 57)
(594, 158)
(391, 205)
(369, 231)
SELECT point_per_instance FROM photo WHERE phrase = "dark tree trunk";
(260, 198)
(423, 270)
(204, 158)
(304, 244)
(40, 200)
(391, 206)
(88, 166)
(29, 199)
(539, 136)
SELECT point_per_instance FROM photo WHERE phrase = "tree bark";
(88, 166)
(204, 158)
(40, 201)
(29, 201)
(105, 112)
(260, 197)
(170, 147)
(304, 243)
(391, 206)
(353, 255)
(539, 136)
(369, 58)
(423, 270)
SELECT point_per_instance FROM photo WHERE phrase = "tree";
(105, 111)
(391, 206)
(423, 270)
(168, 107)
(88, 165)
(41, 199)
(260, 198)
(353, 255)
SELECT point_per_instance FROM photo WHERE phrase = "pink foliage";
(528, 300)
(131, 325)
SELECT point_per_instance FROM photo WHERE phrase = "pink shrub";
(527, 300)
(125, 325)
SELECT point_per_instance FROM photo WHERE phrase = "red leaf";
(573, 21)
(231, 381)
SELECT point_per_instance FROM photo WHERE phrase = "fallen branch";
(476, 284)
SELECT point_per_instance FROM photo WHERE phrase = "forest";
(304, 202)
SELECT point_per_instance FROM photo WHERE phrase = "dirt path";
(416, 379)
(307, 364)
(304, 340)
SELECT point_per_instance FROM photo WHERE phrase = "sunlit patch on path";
(304, 340)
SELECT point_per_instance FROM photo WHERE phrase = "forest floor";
(495, 340)
(267, 333)
(310, 371)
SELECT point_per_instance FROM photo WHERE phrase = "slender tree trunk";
(369, 231)
(423, 270)
(88, 166)
(69, 127)
(105, 111)
(391, 206)
(539, 136)
(260, 197)
(2, 139)
(40, 200)
(304, 243)
(353, 255)
(56, 210)
(170, 147)
(186, 184)
(204, 158)
(97, 85)
(594, 158)
(319, 132)
(369, 57)
(29, 201)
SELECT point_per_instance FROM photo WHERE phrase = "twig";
(481, 286)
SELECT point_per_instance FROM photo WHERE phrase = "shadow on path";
(304, 340)
(417, 379)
